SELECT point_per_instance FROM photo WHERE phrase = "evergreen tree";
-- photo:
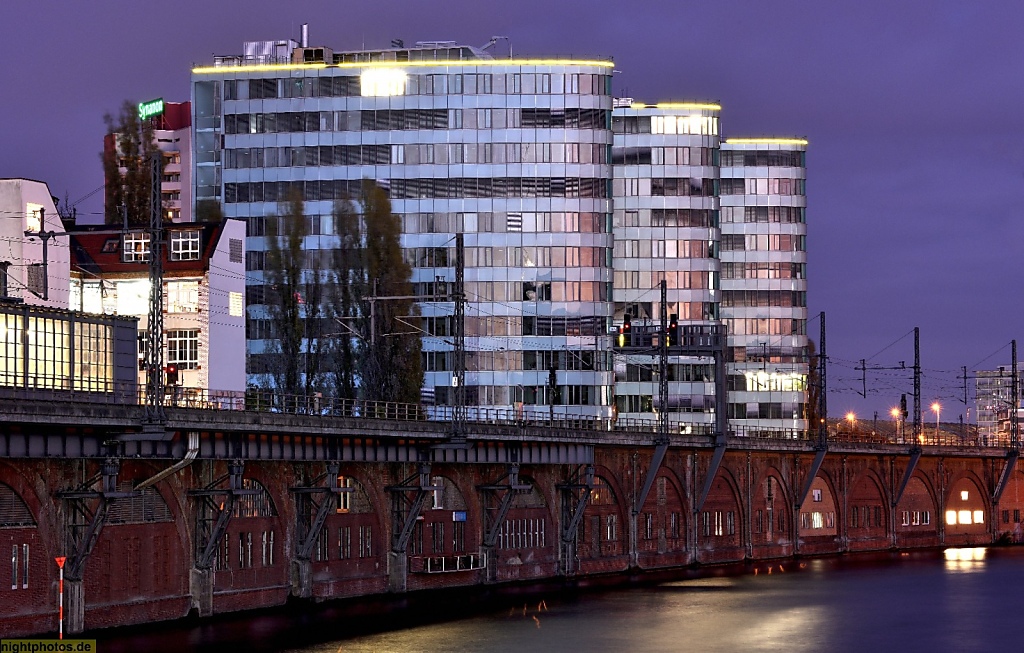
(294, 296)
(129, 145)
(347, 283)
(390, 365)
(320, 297)
(209, 211)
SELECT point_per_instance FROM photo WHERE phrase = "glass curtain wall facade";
(515, 154)
(993, 402)
(764, 283)
(666, 223)
(52, 349)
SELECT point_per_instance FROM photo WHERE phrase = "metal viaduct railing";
(268, 401)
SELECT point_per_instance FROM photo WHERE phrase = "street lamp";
(937, 409)
(895, 412)
(852, 421)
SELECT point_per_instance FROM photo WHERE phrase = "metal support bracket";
(493, 522)
(309, 523)
(812, 474)
(915, 455)
(1011, 461)
(88, 521)
(406, 511)
(208, 536)
(575, 497)
(652, 472)
(716, 462)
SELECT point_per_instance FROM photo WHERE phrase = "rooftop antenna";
(494, 40)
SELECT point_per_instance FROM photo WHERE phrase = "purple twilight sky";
(912, 109)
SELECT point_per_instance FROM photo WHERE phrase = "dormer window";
(136, 247)
(185, 245)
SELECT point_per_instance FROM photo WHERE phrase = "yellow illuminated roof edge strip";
(404, 64)
(699, 106)
(766, 141)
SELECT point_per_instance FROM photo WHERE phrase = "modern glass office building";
(764, 282)
(666, 225)
(514, 153)
(572, 213)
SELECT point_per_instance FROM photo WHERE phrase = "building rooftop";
(98, 250)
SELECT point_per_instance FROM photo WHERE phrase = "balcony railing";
(447, 564)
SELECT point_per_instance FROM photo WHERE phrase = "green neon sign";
(151, 108)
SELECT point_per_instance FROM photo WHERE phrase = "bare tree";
(129, 145)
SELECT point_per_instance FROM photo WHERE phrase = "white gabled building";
(27, 206)
(204, 295)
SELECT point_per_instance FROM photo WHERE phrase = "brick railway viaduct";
(214, 511)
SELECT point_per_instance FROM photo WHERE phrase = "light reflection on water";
(972, 559)
(962, 600)
(828, 605)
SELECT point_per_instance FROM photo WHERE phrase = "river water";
(960, 600)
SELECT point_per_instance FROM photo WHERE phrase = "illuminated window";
(132, 297)
(185, 245)
(183, 348)
(135, 248)
(979, 516)
(34, 217)
(345, 498)
(963, 516)
(382, 82)
(182, 296)
(817, 520)
(963, 495)
(816, 495)
(236, 305)
(950, 517)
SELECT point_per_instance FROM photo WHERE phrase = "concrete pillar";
(301, 574)
(634, 553)
(491, 571)
(200, 586)
(398, 571)
(74, 606)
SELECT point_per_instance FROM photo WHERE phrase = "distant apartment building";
(30, 270)
(204, 286)
(172, 135)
